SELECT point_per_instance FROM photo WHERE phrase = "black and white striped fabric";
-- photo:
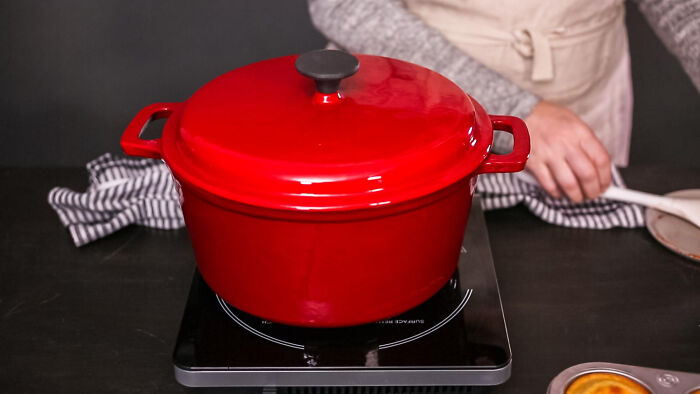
(506, 190)
(122, 191)
(126, 191)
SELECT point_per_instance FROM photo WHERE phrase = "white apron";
(571, 52)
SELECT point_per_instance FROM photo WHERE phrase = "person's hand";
(565, 154)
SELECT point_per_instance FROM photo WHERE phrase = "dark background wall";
(73, 72)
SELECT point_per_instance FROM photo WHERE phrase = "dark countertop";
(103, 318)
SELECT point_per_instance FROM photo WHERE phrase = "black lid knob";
(327, 67)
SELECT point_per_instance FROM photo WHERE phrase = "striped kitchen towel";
(122, 191)
(126, 191)
(506, 190)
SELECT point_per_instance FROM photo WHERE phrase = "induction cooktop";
(456, 338)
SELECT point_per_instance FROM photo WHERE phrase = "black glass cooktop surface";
(460, 328)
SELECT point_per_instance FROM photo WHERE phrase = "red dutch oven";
(327, 189)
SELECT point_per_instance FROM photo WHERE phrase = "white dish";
(673, 232)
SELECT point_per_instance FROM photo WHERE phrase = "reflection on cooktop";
(412, 325)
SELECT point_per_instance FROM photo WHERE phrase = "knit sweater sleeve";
(677, 23)
(388, 28)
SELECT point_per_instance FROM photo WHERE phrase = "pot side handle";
(131, 142)
(515, 160)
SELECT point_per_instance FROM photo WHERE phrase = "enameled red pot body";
(327, 209)
(301, 269)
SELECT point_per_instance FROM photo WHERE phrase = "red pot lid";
(263, 135)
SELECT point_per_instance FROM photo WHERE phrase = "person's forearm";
(387, 28)
(677, 23)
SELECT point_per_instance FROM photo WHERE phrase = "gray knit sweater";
(386, 27)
